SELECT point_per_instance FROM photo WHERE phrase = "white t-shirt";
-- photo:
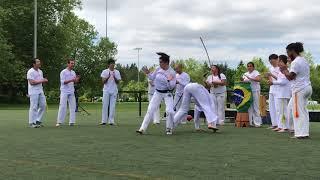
(275, 71)
(67, 75)
(160, 79)
(301, 68)
(111, 85)
(183, 79)
(33, 74)
(284, 86)
(255, 86)
(219, 89)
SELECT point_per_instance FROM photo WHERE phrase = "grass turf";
(88, 151)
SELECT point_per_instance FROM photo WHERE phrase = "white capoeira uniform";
(67, 96)
(37, 97)
(110, 93)
(183, 80)
(254, 112)
(301, 91)
(273, 108)
(164, 89)
(218, 95)
(282, 99)
(151, 90)
(203, 102)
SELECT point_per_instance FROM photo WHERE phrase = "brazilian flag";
(242, 96)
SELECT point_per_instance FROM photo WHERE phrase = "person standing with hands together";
(67, 80)
(110, 79)
(253, 77)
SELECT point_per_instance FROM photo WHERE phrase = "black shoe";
(39, 123)
(111, 124)
(33, 125)
(102, 124)
(139, 132)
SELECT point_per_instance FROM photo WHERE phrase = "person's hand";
(268, 74)
(145, 70)
(44, 80)
(170, 78)
(283, 67)
(270, 82)
(77, 79)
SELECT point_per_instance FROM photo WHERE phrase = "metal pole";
(35, 31)
(138, 49)
(106, 18)
(138, 67)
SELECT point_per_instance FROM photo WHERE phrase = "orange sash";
(296, 113)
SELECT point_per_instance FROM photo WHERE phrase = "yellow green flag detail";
(242, 96)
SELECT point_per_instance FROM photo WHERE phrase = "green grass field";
(88, 151)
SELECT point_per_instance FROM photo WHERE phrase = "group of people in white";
(289, 92)
(110, 78)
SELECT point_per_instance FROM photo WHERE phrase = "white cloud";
(232, 30)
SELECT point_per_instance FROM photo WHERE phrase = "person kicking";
(203, 103)
(164, 79)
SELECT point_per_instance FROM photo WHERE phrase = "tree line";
(63, 35)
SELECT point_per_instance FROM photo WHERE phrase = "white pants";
(219, 101)
(301, 122)
(108, 99)
(37, 107)
(156, 115)
(71, 100)
(273, 109)
(290, 114)
(196, 117)
(177, 101)
(254, 112)
(282, 115)
(154, 104)
(203, 102)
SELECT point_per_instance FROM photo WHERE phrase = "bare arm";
(289, 75)
(256, 79)
(35, 82)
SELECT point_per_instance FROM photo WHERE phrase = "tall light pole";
(35, 27)
(106, 18)
(138, 49)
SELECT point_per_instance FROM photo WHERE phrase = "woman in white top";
(253, 77)
(282, 98)
(217, 83)
(299, 75)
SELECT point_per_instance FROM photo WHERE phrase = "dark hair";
(283, 58)
(219, 72)
(296, 47)
(111, 61)
(273, 56)
(250, 63)
(69, 60)
(33, 61)
(164, 57)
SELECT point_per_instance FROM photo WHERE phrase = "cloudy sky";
(232, 30)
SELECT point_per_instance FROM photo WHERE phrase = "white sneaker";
(32, 125)
(169, 131)
(58, 124)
